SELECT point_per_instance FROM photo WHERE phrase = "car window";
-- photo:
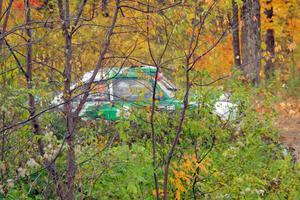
(99, 92)
(132, 90)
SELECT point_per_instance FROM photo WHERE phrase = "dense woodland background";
(248, 48)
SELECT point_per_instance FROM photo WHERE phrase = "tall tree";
(251, 39)
(270, 42)
(64, 12)
(31, 99)
(235, 33)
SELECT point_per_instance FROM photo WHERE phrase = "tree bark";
(251, 40)
(185, 101)
(64, 13)
(31, 100)
(104, 8)
(72, 117)
(270, 44)
(5, 21)
(236, 34)
(1, 4)
(3, 140)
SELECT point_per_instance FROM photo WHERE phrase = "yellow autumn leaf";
(202, 167)
(292, 46)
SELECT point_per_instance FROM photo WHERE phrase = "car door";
(98, 104)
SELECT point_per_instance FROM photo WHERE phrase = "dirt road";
(288, 124)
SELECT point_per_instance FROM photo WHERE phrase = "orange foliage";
(185, 171)
(19, 5)
(220, 60)
(285, 23)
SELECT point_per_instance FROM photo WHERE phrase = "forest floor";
(288, 124)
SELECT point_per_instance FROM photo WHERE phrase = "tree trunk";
(3, 141)
(71, 165)
(5, 21)
(31, 100)
(104, 8)
(236, 34)
(251, 40)
(270, 44)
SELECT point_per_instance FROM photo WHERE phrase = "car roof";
(117, 72)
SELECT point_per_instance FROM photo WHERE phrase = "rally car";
(120, 89)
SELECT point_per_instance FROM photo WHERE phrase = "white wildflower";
(47, 156)
(260, 192)
(233, 148)
(49, 146)
(22, 171)
(56, 151)
(78, 150)
(48, 136)
(32, 163)
(1, 189)
(10, 183)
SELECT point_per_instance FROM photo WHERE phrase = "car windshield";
(132, 90)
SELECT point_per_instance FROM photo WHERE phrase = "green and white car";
(118, 90)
